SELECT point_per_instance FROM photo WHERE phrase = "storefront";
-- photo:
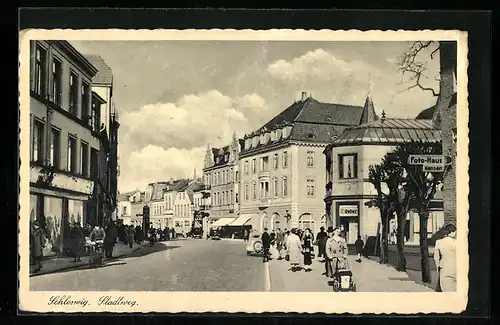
(57, 201)
(348, 220)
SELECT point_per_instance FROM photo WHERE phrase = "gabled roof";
(389, 131)
(104, 75)
(368, 115)
(125, 196)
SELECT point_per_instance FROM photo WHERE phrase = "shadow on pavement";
(156, 248)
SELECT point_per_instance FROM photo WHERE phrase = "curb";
(76, 266)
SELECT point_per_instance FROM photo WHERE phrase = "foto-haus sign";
(348, 211)
(426, 160)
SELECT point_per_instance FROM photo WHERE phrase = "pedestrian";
(280, 239)
(273, 238)
(130, 236)
(109, 243)
(37, 244)
(138, 234)
(336, 252)
(359, 247)
(445, 258)
(77, 238)
(266, 244)
(294, 249)
(245, 234)
(321, 238)
(307, 249)
(152, 235)
(172, 231)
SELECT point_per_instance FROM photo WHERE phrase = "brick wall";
(448, 65)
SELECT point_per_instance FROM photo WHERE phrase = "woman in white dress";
(445, 258)
(294, 249)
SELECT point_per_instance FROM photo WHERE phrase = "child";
(359, 247)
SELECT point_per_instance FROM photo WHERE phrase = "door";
(353, 232)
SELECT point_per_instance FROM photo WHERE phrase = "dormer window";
(311, 136)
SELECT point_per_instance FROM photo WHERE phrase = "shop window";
(348, 166)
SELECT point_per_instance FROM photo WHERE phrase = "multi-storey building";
(348, 189)
(125, 201)
(221, 175)
(64, 140)
(202, 204)
(282, 165)
(154, 199)
(184, 206)
(137, 205)
(107, 121)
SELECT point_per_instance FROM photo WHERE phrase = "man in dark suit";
(266, 244)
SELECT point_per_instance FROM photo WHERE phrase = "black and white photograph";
(225, 170)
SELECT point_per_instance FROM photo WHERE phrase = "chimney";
(304, 96)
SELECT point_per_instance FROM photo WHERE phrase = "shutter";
(341, 166)
(355, 165)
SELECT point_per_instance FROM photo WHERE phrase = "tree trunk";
(384, 244)
(424, 248)
(401, 217)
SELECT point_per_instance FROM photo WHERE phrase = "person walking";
(266, 244)
(280, 239)
(321, 238)
(77, 238)
(445, 258)
(359, 247)
(307, 249)
(130, 236)
(336, 251)
(37, 244)
(294, 249)
(111, 234)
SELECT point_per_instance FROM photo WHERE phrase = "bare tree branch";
(408, 64)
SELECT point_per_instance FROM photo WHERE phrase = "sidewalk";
(56, 264)
(368, 275)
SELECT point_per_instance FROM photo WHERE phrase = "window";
(264, 190)
(38, 136)
(94, 115)
(310, 187)
(264, 164)
(246, 192)
(285, 186)
(55, 147)
(73, 92)
(84, 158)
(85, 101)
(40, 71)
(237, 176)
(72, 154)
(254, 191)
(275, 187)
(285, 159)
(56, 81)
(94, 167)
(275, 161)
(125, 211)
(310, 159)
(237, 199)
(348, 166)
(254, 167)
(246, 167)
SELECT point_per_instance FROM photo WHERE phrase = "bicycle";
(96, 253)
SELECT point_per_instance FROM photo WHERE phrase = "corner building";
(282, 168)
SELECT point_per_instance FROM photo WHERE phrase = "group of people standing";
(297, 247)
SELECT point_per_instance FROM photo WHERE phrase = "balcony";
(264, 174)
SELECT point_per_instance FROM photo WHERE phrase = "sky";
(176, 97)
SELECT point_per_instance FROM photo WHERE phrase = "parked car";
(195, 233)
(254, 245)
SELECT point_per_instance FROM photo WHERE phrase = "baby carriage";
(96, 253)
(342, 279)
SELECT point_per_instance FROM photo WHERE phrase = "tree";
(399, 199)
(377, 177)
(410, 64)
(421, 186)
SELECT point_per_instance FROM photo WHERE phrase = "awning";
(242, 220)
(221, 222)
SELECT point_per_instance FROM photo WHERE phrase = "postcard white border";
(253, 302)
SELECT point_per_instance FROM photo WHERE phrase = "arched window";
(307, 221)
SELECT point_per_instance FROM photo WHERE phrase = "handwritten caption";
(67, 300)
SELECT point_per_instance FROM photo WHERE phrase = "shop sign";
(348, 211)
(62, 181)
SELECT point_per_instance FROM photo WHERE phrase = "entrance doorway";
(349, 227)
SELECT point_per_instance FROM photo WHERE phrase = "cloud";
(166, 140)
(154, 163)
(332, 79)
